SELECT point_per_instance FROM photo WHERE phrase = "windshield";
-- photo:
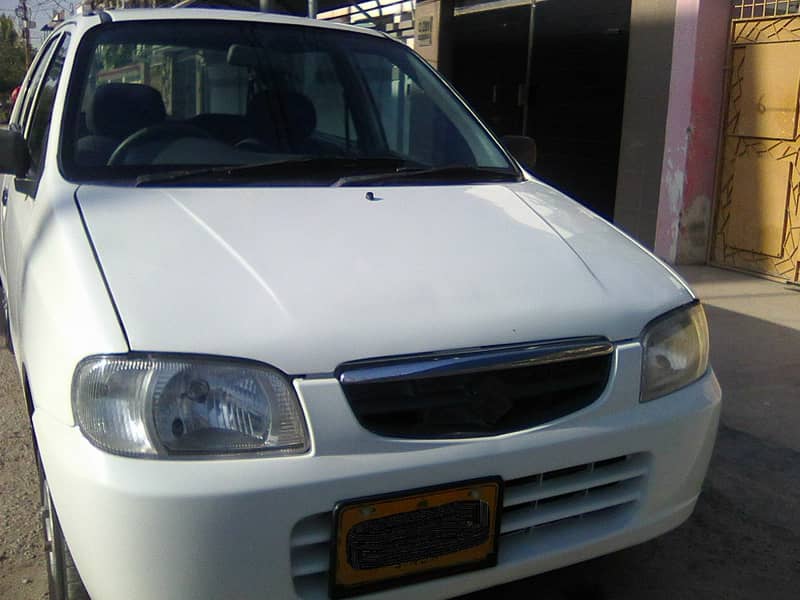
(151, 100)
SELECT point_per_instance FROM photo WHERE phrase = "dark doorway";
(579, 63)
(490, 56)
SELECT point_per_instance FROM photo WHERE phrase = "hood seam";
(100, 269)
(562, 238)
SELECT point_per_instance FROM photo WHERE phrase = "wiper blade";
(292, 168)
(447, 174)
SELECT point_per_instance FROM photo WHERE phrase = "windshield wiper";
(447, 174)
(290, 169)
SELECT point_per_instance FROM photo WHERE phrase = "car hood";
(308, 278)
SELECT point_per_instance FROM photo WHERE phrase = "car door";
(18, 194)
(19, 116)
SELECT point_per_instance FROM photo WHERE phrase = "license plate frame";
(346, 581)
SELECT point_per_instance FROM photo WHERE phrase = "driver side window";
(39, 127)
(28, 93)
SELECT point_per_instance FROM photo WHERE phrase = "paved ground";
(743, 542)
(22, 573)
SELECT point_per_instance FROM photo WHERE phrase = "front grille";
(479, 393)
(571, 494)
(559, 509)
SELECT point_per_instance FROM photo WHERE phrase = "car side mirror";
(522, 148)
(15, 158)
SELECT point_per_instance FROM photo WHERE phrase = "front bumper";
(259, 527)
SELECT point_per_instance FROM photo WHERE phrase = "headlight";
(675, 351)
(141, 405)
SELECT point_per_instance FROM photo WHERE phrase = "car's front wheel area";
(63, 580)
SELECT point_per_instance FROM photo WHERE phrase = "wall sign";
(424, 31)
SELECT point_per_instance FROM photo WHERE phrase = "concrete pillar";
(644, 118)
(699, 52)
(433, 33)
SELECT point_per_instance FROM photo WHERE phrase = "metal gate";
(757, 221)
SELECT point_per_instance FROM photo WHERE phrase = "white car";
(291, 323)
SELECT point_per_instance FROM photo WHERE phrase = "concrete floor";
(755, 349)
(743, 541)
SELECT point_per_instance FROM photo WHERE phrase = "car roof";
(91, 20)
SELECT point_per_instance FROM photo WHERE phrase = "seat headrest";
(120, 109)
(273, 111)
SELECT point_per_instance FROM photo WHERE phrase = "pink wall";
(692, 131)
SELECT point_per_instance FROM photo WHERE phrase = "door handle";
(5, 196)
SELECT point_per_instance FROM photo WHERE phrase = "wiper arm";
(291, 167)
(447, 174)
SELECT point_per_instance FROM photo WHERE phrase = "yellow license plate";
(396, 539)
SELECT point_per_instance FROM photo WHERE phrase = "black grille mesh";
(478, 404)
(421, 534)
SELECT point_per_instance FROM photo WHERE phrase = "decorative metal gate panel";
(757, 222)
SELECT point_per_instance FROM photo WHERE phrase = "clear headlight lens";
(675, 351)
(158, 406)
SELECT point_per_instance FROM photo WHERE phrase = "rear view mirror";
(522, 148)
(14, 156)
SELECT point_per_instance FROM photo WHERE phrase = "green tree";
(12, 56)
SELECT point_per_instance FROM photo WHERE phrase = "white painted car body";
(305, 279)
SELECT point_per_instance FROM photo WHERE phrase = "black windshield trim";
(272, 170)
(448, 174)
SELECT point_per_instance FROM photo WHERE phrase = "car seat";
(116, 111)
(283, 121)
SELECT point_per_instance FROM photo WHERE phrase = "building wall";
(435, 43)
(644, 119)
(670, 131)
(692, 135)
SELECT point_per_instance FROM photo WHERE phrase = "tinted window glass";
(414, 124)
(36, 77)
(43, 108)
(320, 80)
(155, 96)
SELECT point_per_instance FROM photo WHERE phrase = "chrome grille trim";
(470, 361)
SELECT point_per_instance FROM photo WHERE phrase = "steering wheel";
(163, 132)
